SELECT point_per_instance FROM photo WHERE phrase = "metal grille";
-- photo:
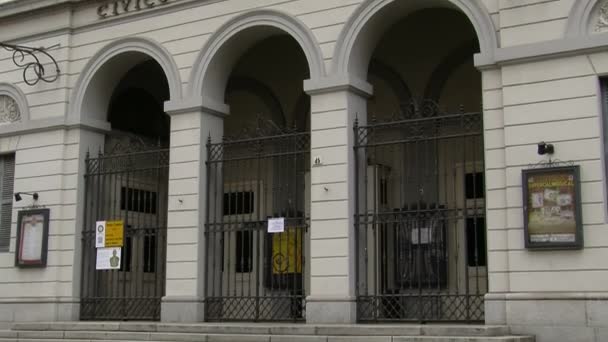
(253, 275)
(420, 226)
(132, 188)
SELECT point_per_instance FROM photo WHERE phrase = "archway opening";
(261, 177)
(126, 192)
(135, 110)
(421, 225)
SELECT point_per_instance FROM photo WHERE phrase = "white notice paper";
(100, 234)
(276, 225)
(32, 233)
(108, 258)
(424, 234)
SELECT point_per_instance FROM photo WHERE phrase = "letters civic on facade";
(118, 7)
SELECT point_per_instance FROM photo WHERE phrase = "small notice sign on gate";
(114, 234)
(108, 258)
(276, 225)
(109, 239)
(109, 234)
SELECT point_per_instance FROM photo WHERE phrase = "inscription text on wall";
(118, 7)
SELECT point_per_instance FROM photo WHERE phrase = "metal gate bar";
(253, 275)
(419, 223)
(132, 188)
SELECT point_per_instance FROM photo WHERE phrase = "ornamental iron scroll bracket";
(33, 61)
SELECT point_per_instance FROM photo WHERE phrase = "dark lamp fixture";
(544, 148)
(18, 195)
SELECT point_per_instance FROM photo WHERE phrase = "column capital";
(196, 103)
(336, 83)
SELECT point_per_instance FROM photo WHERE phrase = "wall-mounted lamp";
(544, 148)
(18, 195)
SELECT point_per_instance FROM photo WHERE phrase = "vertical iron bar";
(357, 216)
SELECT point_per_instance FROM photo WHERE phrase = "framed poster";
(552, 207)
(32, 238)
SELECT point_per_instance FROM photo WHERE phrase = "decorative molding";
(359, 24)
(212, 67)
(338, 83)
(579, 21)
(9, 110)
(602, 19)
(262, 127)
(545, 50)
(118, 142)
(51, 124)
(196, 104)
(142, 45)
(13, 104)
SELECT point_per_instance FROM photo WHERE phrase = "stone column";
(191, 126)
(335, 103)
(497, 212)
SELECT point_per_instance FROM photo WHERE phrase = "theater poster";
(552, 207)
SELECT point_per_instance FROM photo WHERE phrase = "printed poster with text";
(552, 207)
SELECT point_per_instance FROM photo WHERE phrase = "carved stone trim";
(602, 19)
(124, 142)
(9, 110)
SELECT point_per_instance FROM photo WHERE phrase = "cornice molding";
(546, 50)
(339, 83)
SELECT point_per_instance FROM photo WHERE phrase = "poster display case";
(552, 207)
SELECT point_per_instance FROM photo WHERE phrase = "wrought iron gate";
(131, 188)
(420, 227)
(253, 275)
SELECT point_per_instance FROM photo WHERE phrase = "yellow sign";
(287, 251)
(114, 234)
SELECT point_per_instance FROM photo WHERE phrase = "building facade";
(382, 140)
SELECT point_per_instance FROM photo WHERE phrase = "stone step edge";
(145, 336)
(261, 338)
(279, 328)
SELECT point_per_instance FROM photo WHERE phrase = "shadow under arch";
(397, 85)
(260, 90)
(93, 90)
(446, 68)
(371, 20)
(214, 64)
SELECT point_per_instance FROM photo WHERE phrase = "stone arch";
(213, 66)
(95, 85)
(579, 17)
(364, 28)
(17, 95)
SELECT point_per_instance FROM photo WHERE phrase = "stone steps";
(249, 332)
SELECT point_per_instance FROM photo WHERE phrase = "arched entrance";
(258, 172)
(126, 184)
(420, 215)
